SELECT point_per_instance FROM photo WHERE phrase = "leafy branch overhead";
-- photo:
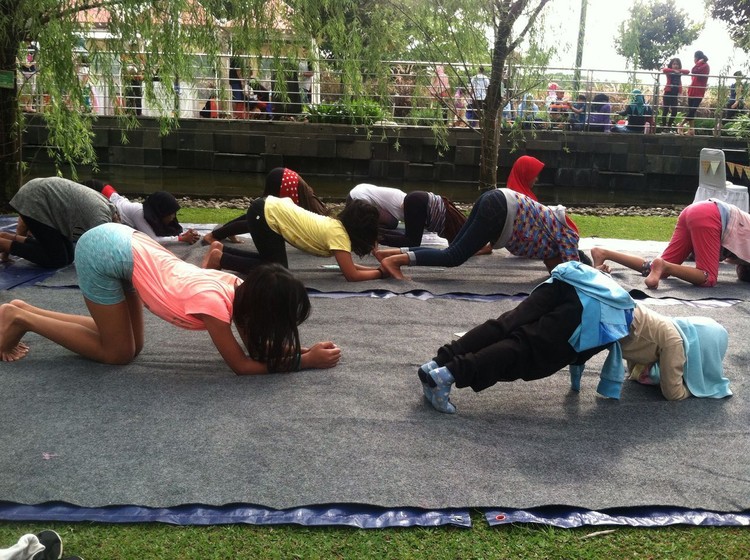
(654, 32)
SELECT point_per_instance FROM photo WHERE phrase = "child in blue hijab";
(566, 320)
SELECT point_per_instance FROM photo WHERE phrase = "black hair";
(158, 205)
(584, 258)
(268, 307)
(700, 56)
(743, 272)
(95, 184)
(599, 100)
(360, 220)
(677, 60)
(273, 181)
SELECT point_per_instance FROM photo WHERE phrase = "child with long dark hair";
(120, 270)
(281, 182)
(672, 91)
(273, 222)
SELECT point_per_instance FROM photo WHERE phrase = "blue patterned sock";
(442, 379)
(423, 372)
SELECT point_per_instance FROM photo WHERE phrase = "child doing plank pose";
(121, 270)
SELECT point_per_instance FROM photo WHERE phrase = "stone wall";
(591, 160)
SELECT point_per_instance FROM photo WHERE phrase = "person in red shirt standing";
(696, 91)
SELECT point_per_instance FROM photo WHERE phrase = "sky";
(603, 18)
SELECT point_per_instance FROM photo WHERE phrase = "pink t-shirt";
(175, 290)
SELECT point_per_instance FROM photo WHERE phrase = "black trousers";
(270, 245)
(529, 342)
(48, 247)
(415, 219)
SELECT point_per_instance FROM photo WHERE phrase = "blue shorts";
(104, 262)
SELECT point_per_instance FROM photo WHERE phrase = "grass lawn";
(96, 541)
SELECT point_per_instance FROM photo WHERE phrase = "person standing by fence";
(699, 75)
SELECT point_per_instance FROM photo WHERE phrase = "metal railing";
(409, 95)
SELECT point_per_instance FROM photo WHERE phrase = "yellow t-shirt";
(309, 232)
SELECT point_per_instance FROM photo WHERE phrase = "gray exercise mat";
(177, 427)
(497, 273)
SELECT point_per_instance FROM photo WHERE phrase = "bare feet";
(209, 239)
(381, 254)
(486, 250)
(11, 347)
(392, 268)
(657, 270)
(212, 259)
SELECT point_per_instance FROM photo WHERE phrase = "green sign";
(7, 79)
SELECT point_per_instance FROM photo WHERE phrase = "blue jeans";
(484, 225)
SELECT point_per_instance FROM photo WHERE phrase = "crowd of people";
(123, 262)
(636, 115)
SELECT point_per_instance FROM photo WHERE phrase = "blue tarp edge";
(364, 517)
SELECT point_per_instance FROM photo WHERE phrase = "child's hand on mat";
(321, 356)
(189, 236)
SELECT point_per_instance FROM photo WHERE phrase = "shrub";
(357, 112)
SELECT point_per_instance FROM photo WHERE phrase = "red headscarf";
(522, 176)
(521, 179)
(289, 185)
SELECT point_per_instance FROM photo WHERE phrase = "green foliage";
(356, 112)
(740, 127)
(444, 30)
(654, 32)
(425, 116)
(736, 14)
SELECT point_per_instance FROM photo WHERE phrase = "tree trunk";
(10, 138)
(491, 130)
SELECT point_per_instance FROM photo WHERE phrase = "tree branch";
(532, 20)
(77, 9)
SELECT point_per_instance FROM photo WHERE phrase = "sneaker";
(440, 381)
(53, 546)
(423, 372)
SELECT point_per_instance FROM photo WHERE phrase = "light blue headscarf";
(637, 102)
(705, 343)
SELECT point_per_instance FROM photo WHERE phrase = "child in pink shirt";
(121, 270)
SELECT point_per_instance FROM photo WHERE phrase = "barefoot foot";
(381, 254)
(212, 259)
(11, 347)
(657, 270)
(392, 268)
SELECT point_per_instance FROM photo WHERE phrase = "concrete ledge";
(571, 158)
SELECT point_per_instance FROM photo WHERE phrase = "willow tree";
(476, 32)
(162, 35)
